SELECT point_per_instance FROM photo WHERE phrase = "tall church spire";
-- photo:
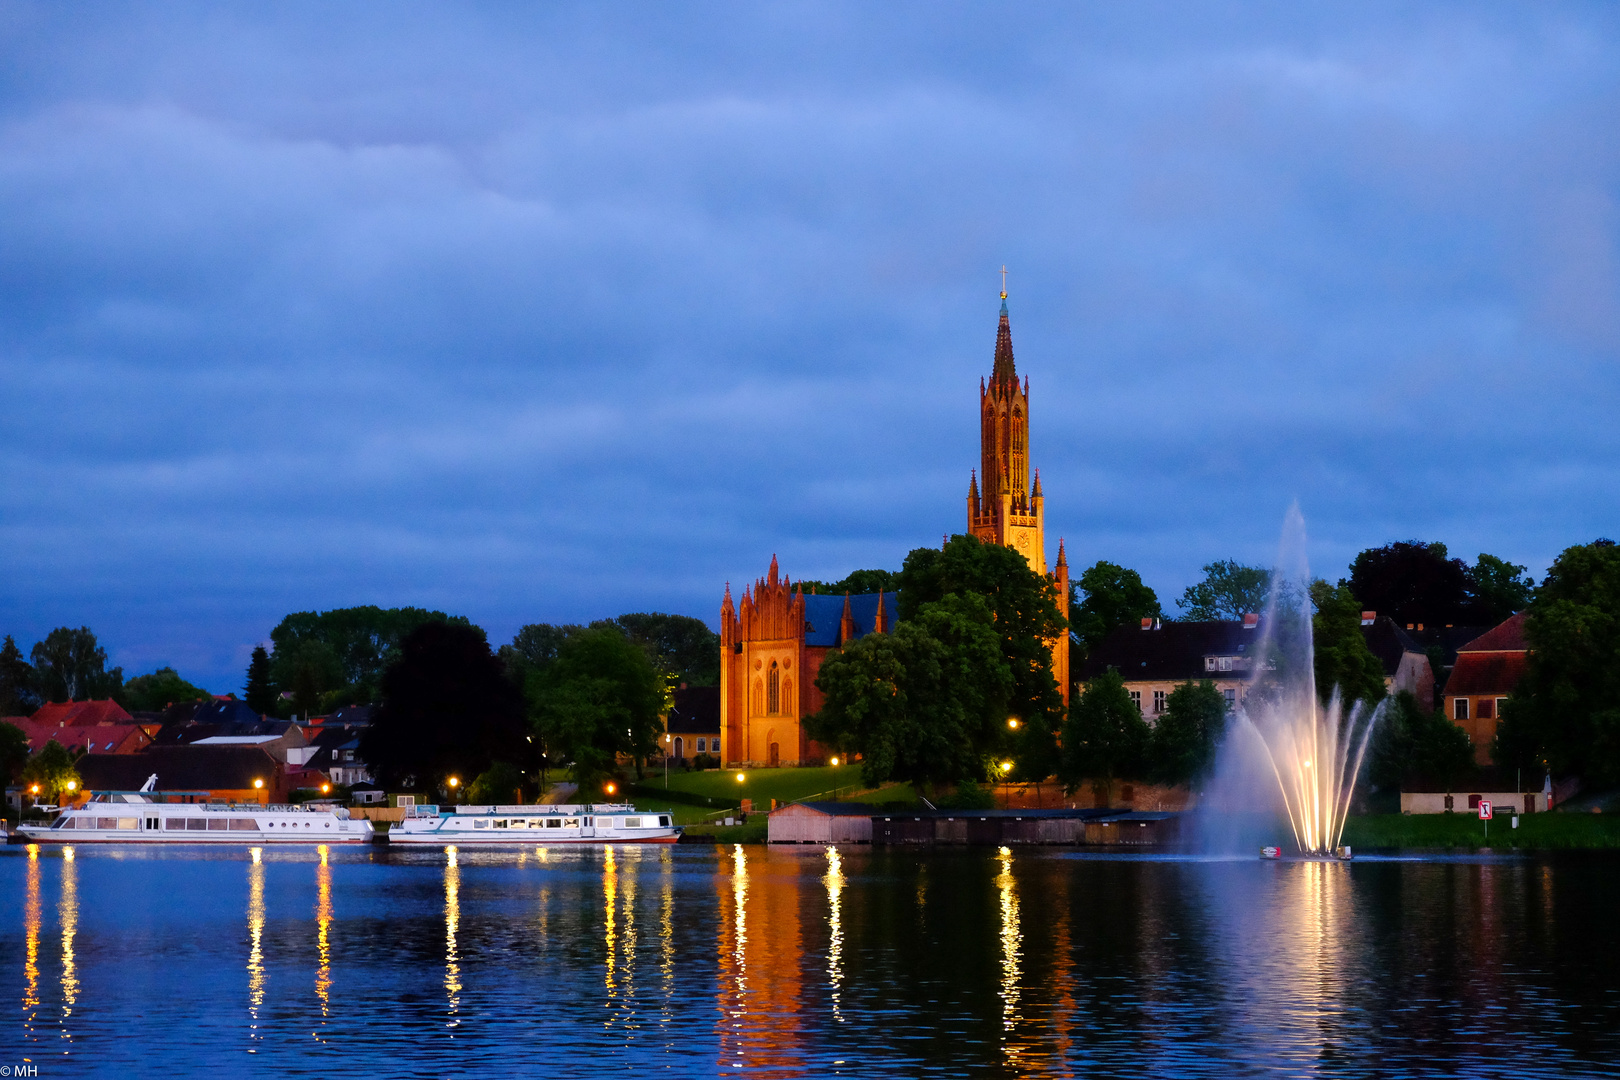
(1004, 370)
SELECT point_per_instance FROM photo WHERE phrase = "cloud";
(554, 314)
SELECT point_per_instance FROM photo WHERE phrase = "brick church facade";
(774, 638)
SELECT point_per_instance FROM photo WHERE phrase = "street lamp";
(258, 785)
(1012, 723)
(1006, 793)
(835, 779)
(609, 788)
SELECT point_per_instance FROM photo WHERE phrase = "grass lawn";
(783, 785)
(751, 833)
(1536, 832)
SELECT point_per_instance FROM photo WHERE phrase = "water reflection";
(30, 999)
(68, 916)
(1012, 940)
(835, 931)
(452, 922)
(255, 964)
(323, 936)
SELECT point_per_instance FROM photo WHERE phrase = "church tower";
(1010, 510)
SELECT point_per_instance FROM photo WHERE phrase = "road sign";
(1484, 810)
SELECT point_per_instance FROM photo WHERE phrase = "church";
(774, 638)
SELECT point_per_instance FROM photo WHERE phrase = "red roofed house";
(100, 727)
(1487, 670)
(81, 713)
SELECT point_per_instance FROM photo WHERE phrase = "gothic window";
(787, 695)
(759, 695)
(773, 690)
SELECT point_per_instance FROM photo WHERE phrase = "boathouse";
(820, 823)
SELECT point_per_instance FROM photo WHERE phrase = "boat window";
(244, 824)
(632, 823)
(106, 823)
(196, 824)
(129, 823)
(501, 823)
(585, 822)
(519, 823)
(62, 823)
(664, 821)
(571, 823)
(554, 823)
(216, 824)
(480, 824)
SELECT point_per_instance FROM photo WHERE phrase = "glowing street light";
(454, 781)
(835, 763)
(1012, 723)
(610, 788)
(739, 778)
(1006, 767)
(73, 785)
(257, 784)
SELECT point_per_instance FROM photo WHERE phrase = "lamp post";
(258, 786)
(835, 778)
(666, 761)
(1006, 793)
(454, 783)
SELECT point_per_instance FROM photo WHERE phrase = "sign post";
(1485, 816)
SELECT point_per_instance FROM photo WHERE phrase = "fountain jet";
(1314, 751)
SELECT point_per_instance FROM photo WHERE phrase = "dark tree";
(18, 696)
(1342, 657)
(260, 692)
(857, 583)
(679, 645)
(1181, 746)
(335, 658)
(1565, 712)
(1413, 582)
(447, 710)
(159, 690)
(1104, 739)
(1023, 606)
(1106, 598)
(598, 698)
(1412, 741)
(1498, 588)
(13, 752)
(51, 770)
(69, 665)
(926, 704)
(1230, 590)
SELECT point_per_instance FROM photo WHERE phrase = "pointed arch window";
(773, 690)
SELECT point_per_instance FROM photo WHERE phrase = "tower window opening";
(773, 690)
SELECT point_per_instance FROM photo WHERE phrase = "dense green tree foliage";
(1105, 737)
(678, 645)
(334, 658)
(447, 709)
(70, 665)
(1414, 582)
(18, 696)
(857, 583)
(13, 752)
(500, 783)
(1182, 744)
(1342, 657)
(1106, 597)
(52, 769)
(598, 697)
(1412, 741)
(925, 703)
(1565, 712)
(1499, 588)
(158, 690)
(1229, 590)
(260, 691)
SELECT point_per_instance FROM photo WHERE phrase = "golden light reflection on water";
(31, 948)
(452, 922)
(835, 931)
(255, 964)
(323, 936)
(68, 916)
(1011, 950)
(610, 934)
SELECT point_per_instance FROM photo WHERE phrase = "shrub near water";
(1536, 832)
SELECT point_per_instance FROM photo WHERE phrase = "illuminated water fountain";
(1313, 751)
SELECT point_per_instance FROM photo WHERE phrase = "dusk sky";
(552, 312)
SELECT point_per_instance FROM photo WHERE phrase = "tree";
(1565, 712)
(1108, 597)
(1023, 606)
(334, 658)
(1342, 657)
(500, 783)
(69, 665)
(1412, 741)
(1181, 746)
(1104, 739)
(13, 751)
(1413, 582)
(679, 645)
(447, 709)
(925, 704)
(260, 692)
(160, 689)
(1229, 590)
(52, 770)
(17, 693)
(1498, 588)
(598, 698)
(859, 582)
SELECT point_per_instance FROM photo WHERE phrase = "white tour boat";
(602, 823)
(135, 818)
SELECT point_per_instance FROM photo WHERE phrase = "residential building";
(692, 727)
(1157, 656)
(191, 773)
(1406, 664)
(1487, 670)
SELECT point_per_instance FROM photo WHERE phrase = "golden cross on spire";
(1004, 281)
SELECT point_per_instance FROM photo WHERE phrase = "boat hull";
(442, 839)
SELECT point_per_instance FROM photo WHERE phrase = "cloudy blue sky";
(550, 312)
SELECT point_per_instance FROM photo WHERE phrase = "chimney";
(1147, 624)
(1368, 617)
(1250, 620)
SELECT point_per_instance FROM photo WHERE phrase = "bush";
(969, 795)
(705, 761)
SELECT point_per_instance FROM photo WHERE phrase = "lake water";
(693, 961)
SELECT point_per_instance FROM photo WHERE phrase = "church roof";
(822, 615)
(1004, 369)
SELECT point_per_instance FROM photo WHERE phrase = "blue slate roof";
(824, 613)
